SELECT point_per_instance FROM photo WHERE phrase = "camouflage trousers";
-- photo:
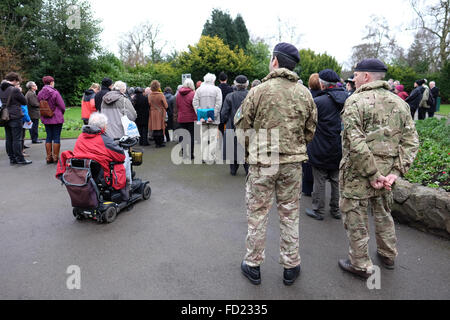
(356, 223)
(262, 185)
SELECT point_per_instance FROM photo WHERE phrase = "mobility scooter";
(94, 198)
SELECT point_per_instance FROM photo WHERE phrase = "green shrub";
(432, 165)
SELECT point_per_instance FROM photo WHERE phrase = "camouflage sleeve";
(360, 155)
(246, 113)
(311, 122)
(408, 147)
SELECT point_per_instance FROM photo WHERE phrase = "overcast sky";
(330, 26)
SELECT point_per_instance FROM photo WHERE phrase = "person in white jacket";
(208, 96)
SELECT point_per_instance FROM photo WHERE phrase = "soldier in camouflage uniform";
(278, 104)
(379, 144)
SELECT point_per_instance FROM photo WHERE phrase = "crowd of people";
(322, 130)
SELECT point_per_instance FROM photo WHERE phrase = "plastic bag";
(129, 127)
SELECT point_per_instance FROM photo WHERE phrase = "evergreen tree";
(232, 32)
(66, 52)
(242, 34)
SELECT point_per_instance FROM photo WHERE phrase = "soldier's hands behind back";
(379, 183)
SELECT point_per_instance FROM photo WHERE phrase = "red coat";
(184, 110)
(88, 104)
(94, 144)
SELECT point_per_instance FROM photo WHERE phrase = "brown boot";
(48, 149)
(56, 147)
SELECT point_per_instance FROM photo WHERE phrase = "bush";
(432, 165)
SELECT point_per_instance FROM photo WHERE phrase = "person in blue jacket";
(26, 119)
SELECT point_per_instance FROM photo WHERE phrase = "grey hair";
(30, 84)
(326, 83)
(188, 83)
(99, 120)
(377, 75)
(256, 83)
(120, 86)
(209, 78)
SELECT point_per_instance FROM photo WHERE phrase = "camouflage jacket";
(278, 103)
(379, 138)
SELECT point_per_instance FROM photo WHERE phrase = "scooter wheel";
(147, 192)
(110, 215)
(77, 215)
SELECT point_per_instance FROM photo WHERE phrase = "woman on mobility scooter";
(96, 167)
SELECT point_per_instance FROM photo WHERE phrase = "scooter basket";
(137, 155)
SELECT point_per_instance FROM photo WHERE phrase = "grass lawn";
(445, 110)
(71, 128)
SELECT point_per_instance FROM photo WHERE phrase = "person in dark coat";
(106, 87)
(13, 128)
(307, 176)
(230, 106)
(140, 103)
(170, 98)
(435, 93)
(415, 97)
(226, 89)
(33, 110)
(325, 151)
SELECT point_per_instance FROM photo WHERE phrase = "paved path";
(186, 242)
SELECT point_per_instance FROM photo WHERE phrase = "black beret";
(241, 79)
(106, 82)
(287, 50)
(371, 65)
(329, 75)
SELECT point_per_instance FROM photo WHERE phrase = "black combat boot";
(290, 275)
(252, 273)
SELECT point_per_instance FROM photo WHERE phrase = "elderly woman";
(33, 111)
(184, 113)
(208, 96)
(158, 107)
(94, 144)
(115, 105)
(53, 125)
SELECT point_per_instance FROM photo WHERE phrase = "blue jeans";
(53, 133)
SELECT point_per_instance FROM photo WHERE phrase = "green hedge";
(432, 165)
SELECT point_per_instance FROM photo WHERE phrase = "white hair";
(99, 120)
(326, 83)
(30, 84)
(209, 78)
(188, 83)
(120, 86)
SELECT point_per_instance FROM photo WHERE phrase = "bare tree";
(142, 44)
(378, 42)
(435, 19)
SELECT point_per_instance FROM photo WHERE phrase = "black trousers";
(14, 139)
(189, 126)
(34, 131)
(158, 135)
(307, 178)
(423, 113)
(143, 132)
